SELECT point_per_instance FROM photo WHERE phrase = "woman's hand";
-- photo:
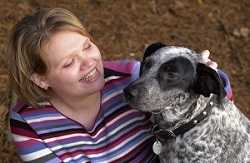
(205, 59)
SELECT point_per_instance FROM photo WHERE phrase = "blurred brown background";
(122, 29)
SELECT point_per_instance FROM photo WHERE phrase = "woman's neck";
(83, 110)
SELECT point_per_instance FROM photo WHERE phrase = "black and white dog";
(194, 121)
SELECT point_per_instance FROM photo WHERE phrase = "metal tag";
(157, 147)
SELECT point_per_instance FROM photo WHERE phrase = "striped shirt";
(120, 133)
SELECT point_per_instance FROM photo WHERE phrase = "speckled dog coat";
(195, 122)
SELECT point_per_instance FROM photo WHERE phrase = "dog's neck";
(195, 107)
(198, 109)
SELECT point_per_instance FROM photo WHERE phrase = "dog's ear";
(149, 51)
(208, 81)
(152, 48)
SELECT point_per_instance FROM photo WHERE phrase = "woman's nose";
(86, 63)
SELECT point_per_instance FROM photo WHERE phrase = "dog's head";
(169, 76)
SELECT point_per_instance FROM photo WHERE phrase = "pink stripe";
(110, 84)
(23, 132)
(26, 143)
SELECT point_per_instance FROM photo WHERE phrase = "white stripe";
(45, 119)
(112, 95)
(111, 78)
(36, 155)
(74, 158)
(19, 138)
(64, 137)
(130, 149)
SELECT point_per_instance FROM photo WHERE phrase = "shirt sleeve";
(29, 146)
(227, 85)
(131, 67)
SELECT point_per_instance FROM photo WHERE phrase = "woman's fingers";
(205, 56)
(213, 65)
(205, 59)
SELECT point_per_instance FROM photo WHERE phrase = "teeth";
(89, 76)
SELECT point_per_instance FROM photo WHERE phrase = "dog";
(194, 121)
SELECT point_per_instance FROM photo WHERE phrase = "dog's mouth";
(144, 108)
(156, 111)
(159, 111)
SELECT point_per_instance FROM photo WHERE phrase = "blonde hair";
(25, 49)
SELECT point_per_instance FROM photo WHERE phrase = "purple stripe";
(36, 146)
(120, 65)
(119, 84)
(52, 123)
(108, 106)
(48, 110)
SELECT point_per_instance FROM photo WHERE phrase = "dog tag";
(157, 147)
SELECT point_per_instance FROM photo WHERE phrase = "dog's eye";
(172, 75)
(169, 68)
(168, 72)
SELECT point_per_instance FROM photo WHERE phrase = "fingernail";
(205, 53)
(213, 65)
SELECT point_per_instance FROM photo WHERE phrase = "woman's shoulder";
(19, 106)
(121, 64)
(24, 112)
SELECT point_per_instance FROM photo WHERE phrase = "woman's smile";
(91, 76)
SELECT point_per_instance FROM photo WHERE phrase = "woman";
(71, 106)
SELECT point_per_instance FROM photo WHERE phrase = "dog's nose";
(130, 93)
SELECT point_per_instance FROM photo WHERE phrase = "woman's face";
(75, 66)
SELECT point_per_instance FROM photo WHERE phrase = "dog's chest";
(213, 140)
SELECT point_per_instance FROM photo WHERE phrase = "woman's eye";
(68, 64)
(87, 46)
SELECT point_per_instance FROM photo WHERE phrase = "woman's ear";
(40, 81)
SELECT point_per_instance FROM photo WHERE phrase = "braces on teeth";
(89, 75)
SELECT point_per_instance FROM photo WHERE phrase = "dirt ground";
(122, 29)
